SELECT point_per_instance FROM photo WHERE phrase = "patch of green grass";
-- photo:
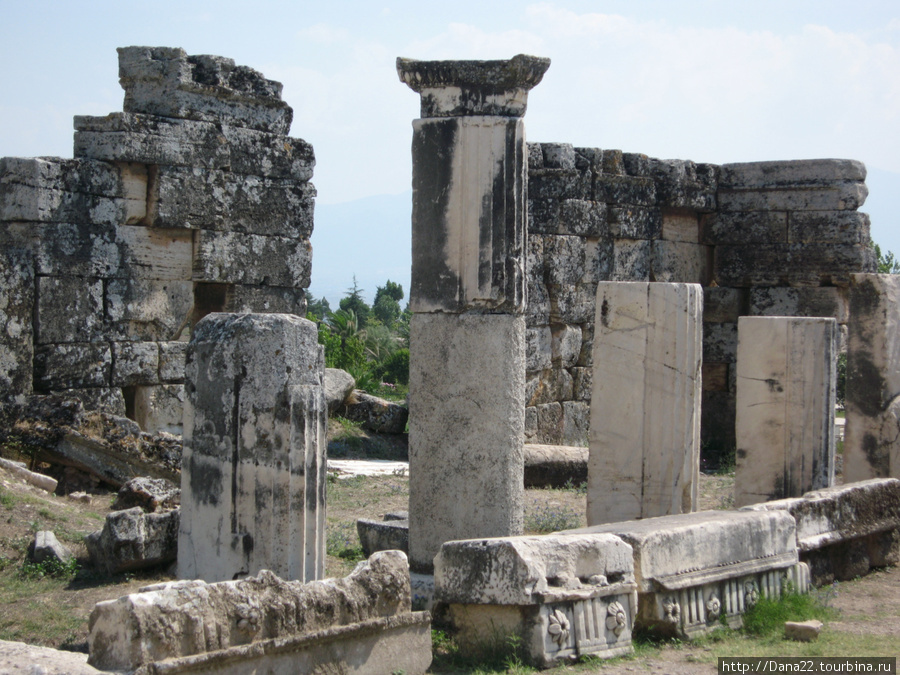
(51, 567)
(498, 653)
(342, 541)
(767, 616)
(548, 518)
(7, 499)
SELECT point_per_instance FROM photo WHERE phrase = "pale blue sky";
(707, 80)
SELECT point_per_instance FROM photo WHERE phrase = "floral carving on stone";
(713, 608)
(751, 593)
(559, 627)
(616, 619)
(671, 611)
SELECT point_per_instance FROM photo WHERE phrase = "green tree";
(318, 308)
(354, 302)
(386, 307)
(887, 263)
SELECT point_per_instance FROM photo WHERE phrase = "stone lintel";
(456, 88)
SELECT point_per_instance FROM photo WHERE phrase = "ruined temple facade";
(194, 200)
(763, 239)
(190, 201)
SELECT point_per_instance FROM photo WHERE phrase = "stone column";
(645, 404)
(467, 335)
(872, 432)
(253, 467)
(784, 423)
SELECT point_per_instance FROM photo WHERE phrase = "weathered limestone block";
(160, 408)
(598, 260)
(544, 423)
(16, 322)
(583, 217)
(645, 406)
(538, 348)
(791, 264)
(720, 342)
(791, 173)
(69, 310)
(828, 301)
(680, 262)
(339, 384)
(572, 304)
(239, 258)
(565, 345)
(150, 494)
(389, 534)
(133, 540)
(467, 88)
(468, 214)
(631, 260)
(171, 361)
(200, 199)
(836, 227)
(45, 546)
(67, 249)
(135, 363)
(165, 81)
(377, 414)
(746, 227)
(631, 190)
(693, 569)
(562, 596)
(582, 382)
(469, 376)
(253, 469)
(148, 309)
(266, 299)
(836, 197)
(166, 141)
(634, 222)
(844, 530)
(555, 466)
(50, 189)
(723, 305)
(268, 624)
(72, 366)
(102, 399)
(154, 253)
(566, 259)
(559, 184)
(872, 432)
(785, 407)
(683, 226)
(576, 422)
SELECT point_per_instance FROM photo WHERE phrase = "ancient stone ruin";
(158, 275)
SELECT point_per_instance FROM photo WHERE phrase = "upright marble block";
(872, 432)
(645, 405)
(253, 468)
(785, 407)
(466, 430)
(468, 235)
(467, 335)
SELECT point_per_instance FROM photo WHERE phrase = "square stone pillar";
(467, 334)
(253, 467)
(872, 431)
(784, 422)
(645, 405)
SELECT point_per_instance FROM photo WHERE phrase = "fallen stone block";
(38, 480)
(46, 546)
(561, 596)
(361, 623)
(802, 631)
(389, 534)
(339, 384)
(555, 465)
(133, 540)
(376, 414)
(150, 494)
(843, 531)
(694, 570)
(42, 660)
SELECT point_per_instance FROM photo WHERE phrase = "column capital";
(459, 88)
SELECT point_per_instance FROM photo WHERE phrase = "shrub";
(395, 368)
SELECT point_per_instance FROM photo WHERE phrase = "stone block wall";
(762, 238)
(190, 201)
